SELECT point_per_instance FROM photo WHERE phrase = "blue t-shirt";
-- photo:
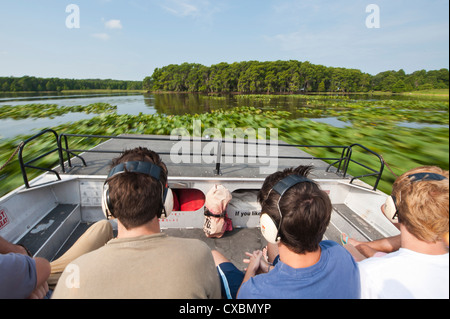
(335, 276)
(17, 276)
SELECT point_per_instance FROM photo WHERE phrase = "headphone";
(390, 208)
(269, 227)
(146, 168)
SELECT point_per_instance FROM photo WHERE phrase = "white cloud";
(113, 24)
(182, 8)
(191, 8)
(101, 36)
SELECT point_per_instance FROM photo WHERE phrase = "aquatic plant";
(18, 112)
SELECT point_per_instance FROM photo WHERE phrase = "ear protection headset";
(270, 229)
(146, 168)
(390, 208)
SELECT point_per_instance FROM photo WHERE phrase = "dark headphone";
(146, 168)
(269, 227)
(390, 208)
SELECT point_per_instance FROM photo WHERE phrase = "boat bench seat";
(345, 220)
(51, 232)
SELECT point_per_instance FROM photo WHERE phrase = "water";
(132, 104)
(10, 128)
(333, 121)
(126, 104)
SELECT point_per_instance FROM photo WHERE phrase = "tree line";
(287, 77)
(34, 84)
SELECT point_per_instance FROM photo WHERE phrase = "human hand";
(254, 261)
(264, 265)
(40, 292)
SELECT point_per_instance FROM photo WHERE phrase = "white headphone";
(390, 207)
(269, 228)
(146, 168)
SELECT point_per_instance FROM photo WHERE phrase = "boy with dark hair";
(295, 214)
(141, 262)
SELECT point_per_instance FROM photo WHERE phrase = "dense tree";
(287, 77)
(247, 77)
(33, 84)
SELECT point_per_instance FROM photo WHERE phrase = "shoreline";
(76, 91)
(412, 93)
(435, 92)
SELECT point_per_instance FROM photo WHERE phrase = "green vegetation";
(390, 112)
(18, 112)
(33, 84)
(431, 92)
(374, 124)
(287, 77)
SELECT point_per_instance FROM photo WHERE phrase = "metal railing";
(341, 163)
(24, 165)
(348, 159)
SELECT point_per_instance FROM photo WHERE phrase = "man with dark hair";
(141, 262)
(295, 214)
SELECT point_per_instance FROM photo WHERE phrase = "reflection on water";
(179, 104)
(333, 121)
(420, 125)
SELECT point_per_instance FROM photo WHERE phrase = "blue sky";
(128, 39)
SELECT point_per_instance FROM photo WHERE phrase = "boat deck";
(196, 160)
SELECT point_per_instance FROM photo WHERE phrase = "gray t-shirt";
(17, 276)
(147, 267)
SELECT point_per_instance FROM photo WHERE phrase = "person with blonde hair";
(419, 267)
